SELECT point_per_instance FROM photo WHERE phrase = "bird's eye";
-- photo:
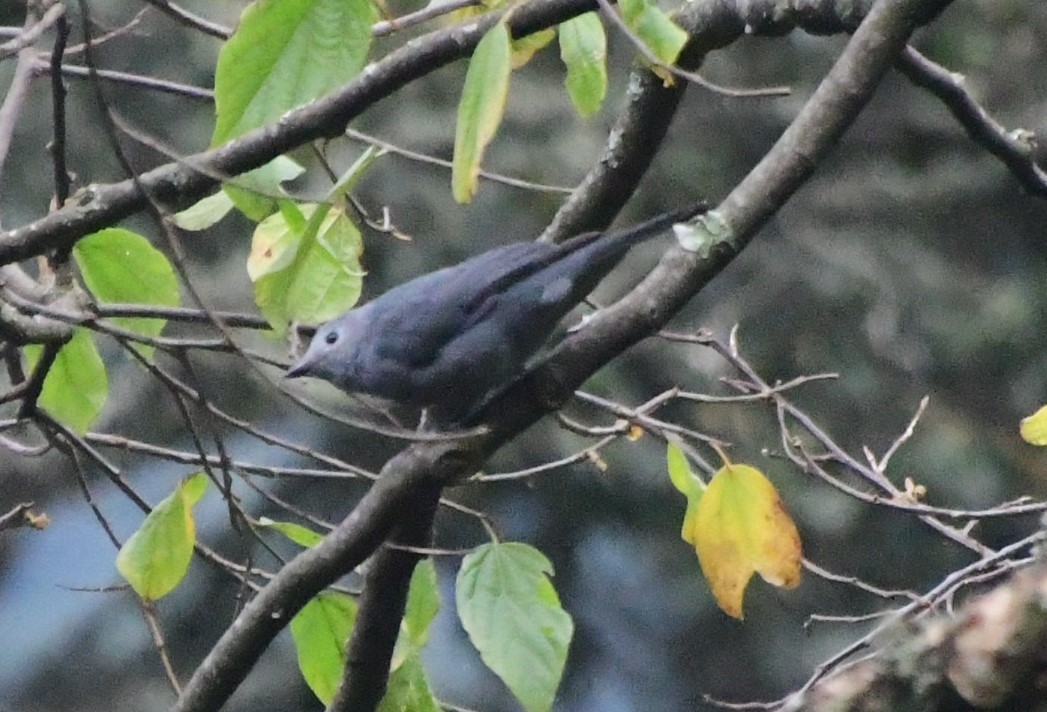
(331, 337)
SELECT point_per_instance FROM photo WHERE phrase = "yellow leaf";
(1034, 428)
(526, 47)
(740, 527)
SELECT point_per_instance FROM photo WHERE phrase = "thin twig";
(858, 583)
(14, 101)
(611, 14)
(730, 353)
(1014, 148)
(97, 40)
(190, 20)
(430, 12)
(434, 161)
(32, 30)
(21, 515)
(35, 385)
(164, 86)
(835, 663)
(152, 621)
(882, 463)
(584, 455)
(57, 145)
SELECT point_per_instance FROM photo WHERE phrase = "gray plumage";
(444, 340)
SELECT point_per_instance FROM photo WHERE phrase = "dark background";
(911, 263)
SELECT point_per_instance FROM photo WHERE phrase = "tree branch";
(382, 606)
(681, 274)
(1015, 149)
(987, 657)
(416, 469)
(651, 106)
(11, 108)
(180, 183)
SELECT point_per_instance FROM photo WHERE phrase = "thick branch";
(382, 607)
(417, 469)
(186, 181)
(634, 141)
(835, 104)
(642, 125)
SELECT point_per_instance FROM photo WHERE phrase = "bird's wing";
(442, 305)
(429, 313)
(563, 273)
(532, 258)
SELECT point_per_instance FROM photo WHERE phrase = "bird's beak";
(301, 367)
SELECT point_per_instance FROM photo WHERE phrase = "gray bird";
(446, 339)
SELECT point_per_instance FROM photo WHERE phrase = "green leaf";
(513, 616)
(295, 218)
(305, 277)
(120, 266)
(688, 483)
(353, 174)
(408, 689)
(303, 536)
(75, 388)
(204, 213)
(481, 108)
(423, 603)
(583, 49)
(156, 557)
(320, 632)
(681, 474)
(655, 28)
(253, 193)
(284, 54)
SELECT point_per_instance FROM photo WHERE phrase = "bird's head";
(331, 353)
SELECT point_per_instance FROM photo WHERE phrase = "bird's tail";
(654, 226)
(598, 251)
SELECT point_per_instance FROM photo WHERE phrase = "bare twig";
(1014, 148)
(191, 20)
(858, 583)
(19, 88)
(57, 145)
(108, 36)
(730, 353)
(163, 86)
(33, 29)
(152, 620)
(22, 515)
(35, 384)
(882, 463)
(584, 455)
(431, 11)
(611, 14)
(434, 161)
